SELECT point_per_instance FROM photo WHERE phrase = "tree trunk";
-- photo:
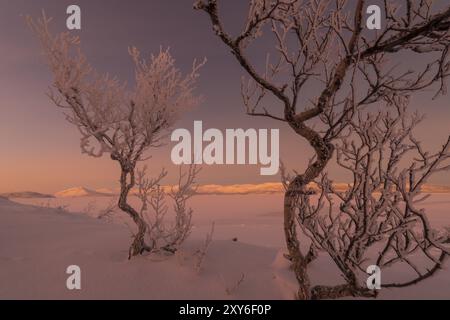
(324, 151)
(138, 246)
(299, 263)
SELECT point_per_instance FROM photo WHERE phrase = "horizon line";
(206, 189)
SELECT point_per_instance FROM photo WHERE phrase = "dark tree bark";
(127, 182)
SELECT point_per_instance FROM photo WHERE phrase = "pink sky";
(40, 151)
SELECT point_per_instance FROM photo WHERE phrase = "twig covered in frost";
(231, 290)
(201, 253)
(108, 211)
(163, 235)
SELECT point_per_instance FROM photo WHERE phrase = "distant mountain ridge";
(277, 187)
(26, 195)
(80, 192)
(206, 189)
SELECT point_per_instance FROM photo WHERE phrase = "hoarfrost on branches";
(323, 44)
(124, 123)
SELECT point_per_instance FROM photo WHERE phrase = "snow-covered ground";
(38, 242)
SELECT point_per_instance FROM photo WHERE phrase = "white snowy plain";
(38, 243)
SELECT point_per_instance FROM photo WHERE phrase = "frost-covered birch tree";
(124, 123)
(324, 44)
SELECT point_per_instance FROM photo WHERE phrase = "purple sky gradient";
(40, 151)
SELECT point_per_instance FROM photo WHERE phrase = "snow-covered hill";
(80, 192)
